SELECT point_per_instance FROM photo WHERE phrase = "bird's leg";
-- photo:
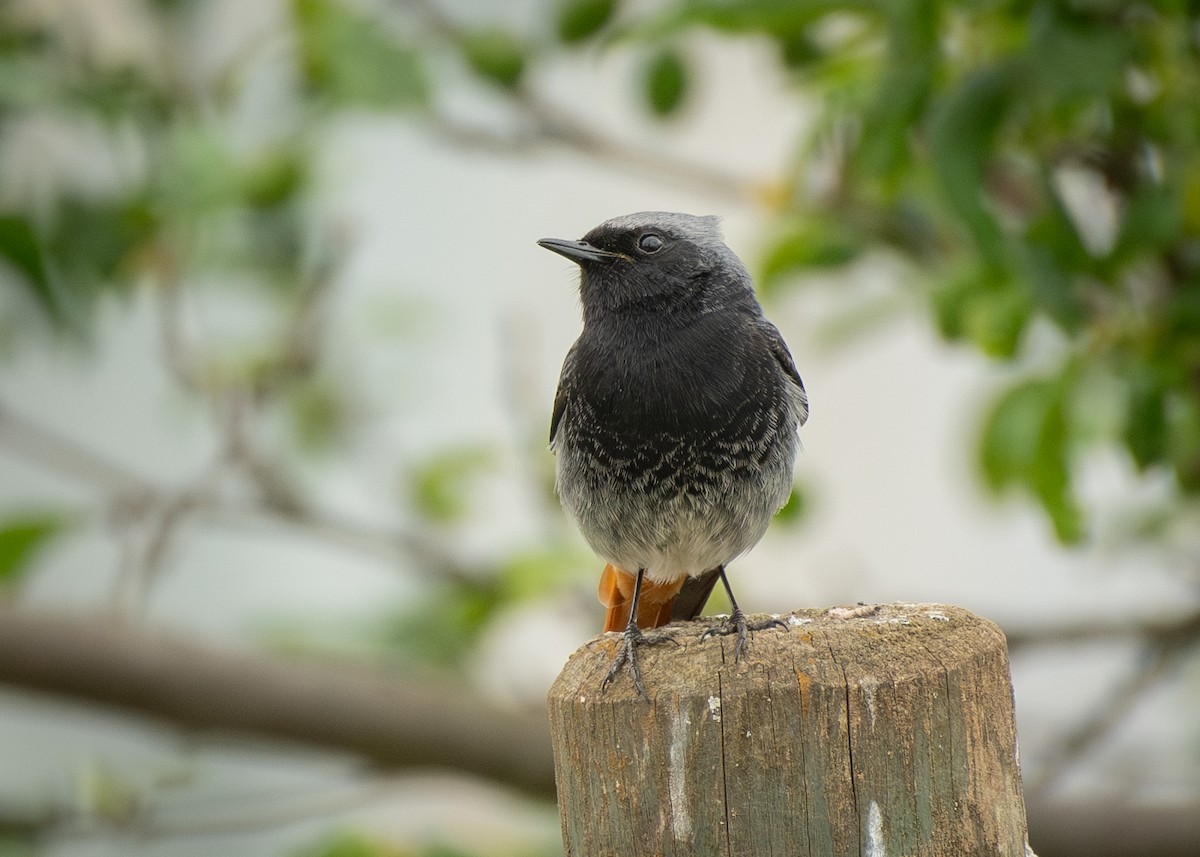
(633, 638)
(736, 623)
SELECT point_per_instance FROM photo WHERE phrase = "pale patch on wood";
(748, 758)
(868, 686)
(681, 814)
(875, 844)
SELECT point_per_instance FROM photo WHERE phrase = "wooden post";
(875, 731)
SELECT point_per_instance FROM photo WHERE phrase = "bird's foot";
(736, 623)
(627, 654)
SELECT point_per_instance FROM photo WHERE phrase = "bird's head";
(657, 263)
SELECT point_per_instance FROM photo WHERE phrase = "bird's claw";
(633, 638)
(738, 624)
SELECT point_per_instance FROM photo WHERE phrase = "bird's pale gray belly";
(676, 505)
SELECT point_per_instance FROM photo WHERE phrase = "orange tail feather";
(616, 593)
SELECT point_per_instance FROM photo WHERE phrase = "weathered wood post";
(861, 731)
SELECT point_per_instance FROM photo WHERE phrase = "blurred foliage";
(667, 84)
(351, 59)
(1036, 164)
(20, 539)
(443, 626)
(355, 845)
(796, 508)
(1039, 164)
(1033, 164)
(495, 55)
(441, 487)
(581, 19)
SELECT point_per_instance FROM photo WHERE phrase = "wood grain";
(864, 731)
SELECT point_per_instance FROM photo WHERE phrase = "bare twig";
(264, 812)
(65, 456)
(167, 513)
(237, 814)
(176, 350)
(395, 545)
(134, 501)
(546, 123)
(1106, 631)
(1162, 652)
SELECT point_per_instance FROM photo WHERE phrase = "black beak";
(577, 251)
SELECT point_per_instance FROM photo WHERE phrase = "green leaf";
(1154, 218)
(799, 50)
(995, 320)
(20, 249)
(348, 845)
(19, 843)
(275, 178)
(808, 242)
(496, 55)
(985, 306)
(796, 509)
(440, 487)
(578, 20)
(774, 17)
(319, 414)
(1146, 426)
(1183, 443)
(353, 60)
(442, 626)
(962, 135)
(92, 239)
(21, 537)
(533, 573)
(1026, 442)
(1071, 57)
(902, 90)
(666, 82)
(1045, 264)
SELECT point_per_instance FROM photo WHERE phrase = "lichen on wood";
(857, 731)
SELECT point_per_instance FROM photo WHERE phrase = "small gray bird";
(675, 422)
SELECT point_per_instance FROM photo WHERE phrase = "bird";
(675, 422)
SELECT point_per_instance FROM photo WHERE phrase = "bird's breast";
(685, 414)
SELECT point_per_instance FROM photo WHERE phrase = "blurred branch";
(1154, 629)
(554, 124)
(1165, 646)
(62, 454)
(136, 500)
(1113, 829)
(264, 811)
(396, 544)
(395, 721)
(545, 122)
(162, 519)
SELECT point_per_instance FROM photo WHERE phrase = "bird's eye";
(650, 243)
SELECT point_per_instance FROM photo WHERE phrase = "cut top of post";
(860, 730)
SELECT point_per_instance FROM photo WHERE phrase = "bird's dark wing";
(784, 357)
(561, 397)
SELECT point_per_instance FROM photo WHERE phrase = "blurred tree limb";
(1162, 645)
(394, 721)
(133, 498)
